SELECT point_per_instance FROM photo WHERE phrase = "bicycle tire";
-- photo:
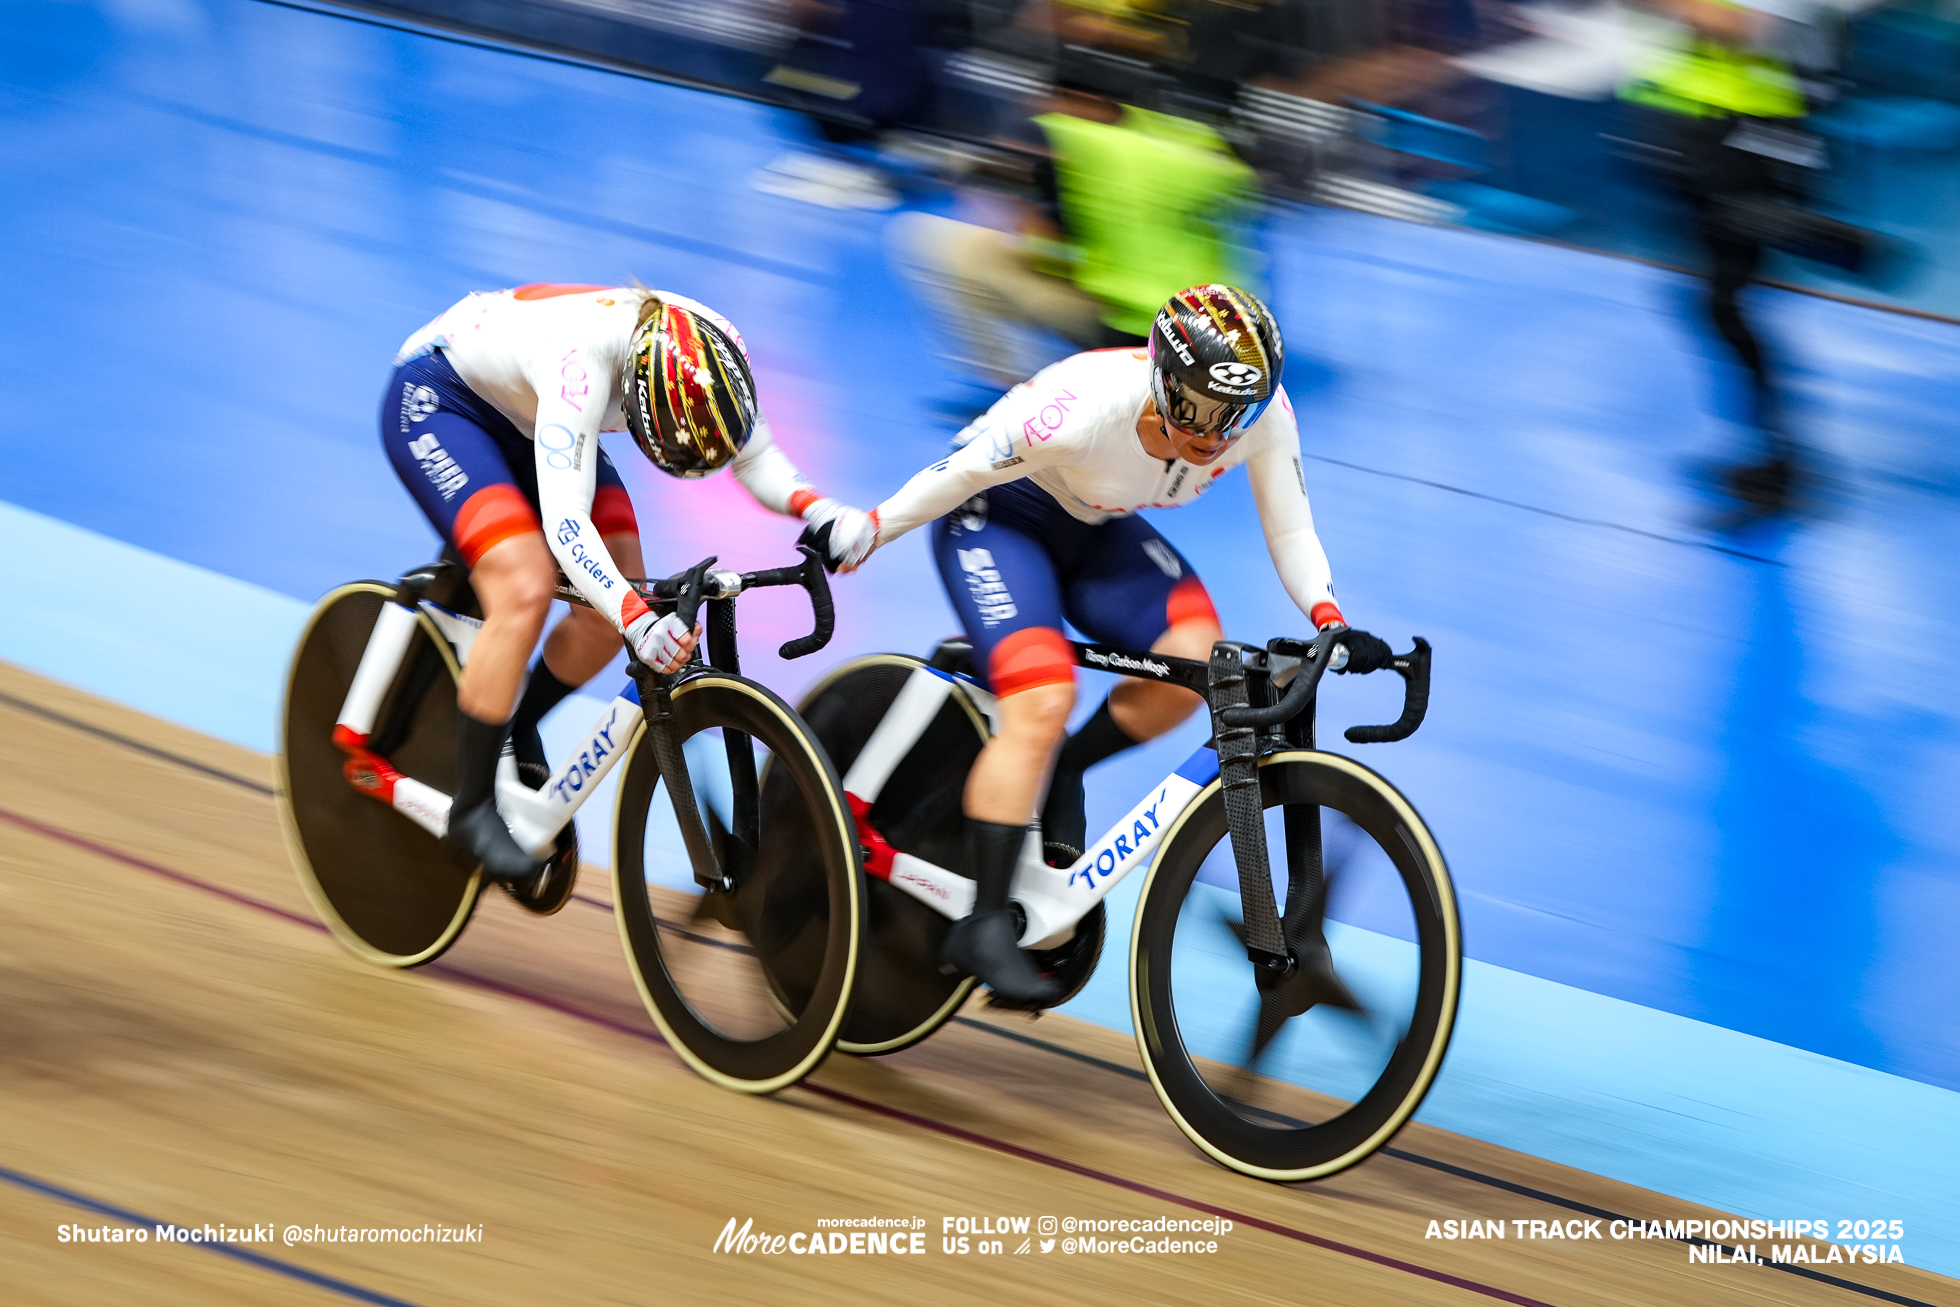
(902, 995)
(787, 940)
(1267, 1145)
(392, 893)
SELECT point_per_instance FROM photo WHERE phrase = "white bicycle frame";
(1054, 898)
(534, 816)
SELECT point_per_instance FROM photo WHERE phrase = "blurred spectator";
(858, 69)
(1128, 206)
(1719, 113)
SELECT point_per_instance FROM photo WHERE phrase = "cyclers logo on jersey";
(568, 533)
(438, 466)
(983, 583)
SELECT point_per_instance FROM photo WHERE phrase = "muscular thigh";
(1128, 585)
(458, 473)
(471, 472)
(1003, 584)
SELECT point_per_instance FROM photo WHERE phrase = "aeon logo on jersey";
(1235, 373)
(983, 583)
(1047, 420)
(577, 383)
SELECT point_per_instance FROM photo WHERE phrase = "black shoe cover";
(1064, 820)
(480, 832)
(528, 746)
(987, 945)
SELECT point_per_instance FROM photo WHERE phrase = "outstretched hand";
(1365, 653)
(842, 536)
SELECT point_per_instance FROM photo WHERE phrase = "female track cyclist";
(1035, 520)
(492, 422)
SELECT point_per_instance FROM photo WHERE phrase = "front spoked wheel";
(750, 986)
(1304, 1078)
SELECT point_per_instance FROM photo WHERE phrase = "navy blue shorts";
(468, 468)
(1016, 564)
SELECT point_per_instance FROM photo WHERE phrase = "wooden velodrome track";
(183, 1043)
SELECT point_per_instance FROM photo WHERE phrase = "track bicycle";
(1291, 1018)
(738, 894)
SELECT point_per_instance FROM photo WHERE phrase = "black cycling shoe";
(479, 831)
(987, 945)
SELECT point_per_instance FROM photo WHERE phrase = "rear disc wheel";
(390, 891)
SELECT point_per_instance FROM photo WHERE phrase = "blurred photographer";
(1716, 108)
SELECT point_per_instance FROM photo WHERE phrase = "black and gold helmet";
(1215, 360)
(690, 398)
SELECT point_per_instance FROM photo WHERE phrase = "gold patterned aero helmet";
(1215, 360)
(690, 398)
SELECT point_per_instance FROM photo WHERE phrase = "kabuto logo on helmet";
(1215, 360)
(1235, 374)
(1167, 328)
(691, 399)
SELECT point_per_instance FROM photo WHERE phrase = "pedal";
(551, 889)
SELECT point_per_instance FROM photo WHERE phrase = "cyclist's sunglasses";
(1201, 415)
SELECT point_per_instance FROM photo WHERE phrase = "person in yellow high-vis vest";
(1132, 205)
(1724, 123)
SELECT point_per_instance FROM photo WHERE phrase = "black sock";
(477, 746)
(1099, 738)
(543, 692)
(992, 850)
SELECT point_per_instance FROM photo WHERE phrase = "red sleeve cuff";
(1325, 615)
(632, 609)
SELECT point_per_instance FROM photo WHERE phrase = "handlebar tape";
(1305, 683)
(1414, 670)
(817, 585)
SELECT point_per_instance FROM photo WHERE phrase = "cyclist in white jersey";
(1035, 521)
(492, 421)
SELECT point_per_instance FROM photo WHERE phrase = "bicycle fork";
(1293, 967)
